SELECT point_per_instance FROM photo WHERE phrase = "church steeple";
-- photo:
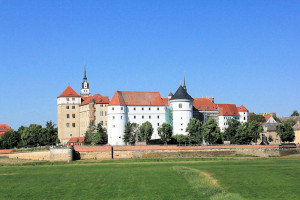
(85, 91)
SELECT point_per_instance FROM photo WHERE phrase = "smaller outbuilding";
(76, 141)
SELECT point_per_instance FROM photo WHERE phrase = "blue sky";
(240, 52)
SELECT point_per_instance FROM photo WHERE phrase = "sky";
(239, 52)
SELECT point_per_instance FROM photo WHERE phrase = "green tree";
(89, 134)
(146, 131)
(292, 122)
(295, 113)
(211, 132)
(232, 132)
(258, 118)
(131, 133)
(249, 132)
(10, 139)
(51, 133)
(285, 132)
(165, 133)
(181, 139)
(194, 129)
(100, 136)
(33, 135)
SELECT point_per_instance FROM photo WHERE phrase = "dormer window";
(180, 105)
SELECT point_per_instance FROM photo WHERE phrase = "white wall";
(181, 116)
(243, 116)
(72, 100)
(117, 120)
(223, 121)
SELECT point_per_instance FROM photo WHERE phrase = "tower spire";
(184, 86)
(85, 91)
(84, 71)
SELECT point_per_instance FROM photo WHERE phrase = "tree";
(295, 113)
(258, 118)
(194, 129)
(211, 132)
(100, 136)
(89, 134)
(130, 133)
(292, 122)
(146, 131)
(10, 139)
(181, 138)
(285, 132)
(33, 135)
(165, 132)
(231, 133)
(249, 132)
(51, 133)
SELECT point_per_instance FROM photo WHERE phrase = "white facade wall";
(117, 120)
(68, 100)
(223, 121)
(244, 116)
(182, 113)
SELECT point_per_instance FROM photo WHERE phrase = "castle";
(77, 112)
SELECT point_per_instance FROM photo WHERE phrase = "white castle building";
(76, 112)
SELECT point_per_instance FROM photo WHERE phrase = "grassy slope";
(250, 179)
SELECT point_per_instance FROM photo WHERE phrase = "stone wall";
(94, 152)
(61, 154)
(40, 155)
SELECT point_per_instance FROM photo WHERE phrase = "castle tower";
(85, 88)
(182, 105)
(68, 115)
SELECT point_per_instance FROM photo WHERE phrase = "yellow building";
(76, 112)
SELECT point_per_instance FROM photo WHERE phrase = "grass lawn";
(272, 178)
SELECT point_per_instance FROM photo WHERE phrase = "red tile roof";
(165, 101)
(228, 109)
(69, 92)
(76, 140)
(97, 97)
(137, 98)
(242, 109)
(267, 118)
(204, 104)
(4, 128)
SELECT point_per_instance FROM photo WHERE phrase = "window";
(101, 122)
(142, 108)
(121, 108)
(105, 113)
(73, 107)
(68, 116)
(68, 124)
(114, 126)
(113, 108)
(73, 99)
(157, 124)
(68, 99)
(105, 123)
(180, 105)
(181, 124)
(70, 134)
(73, 115)
(142, 116)
(244, 118)
(181, 129)
(149, 108)
(133, 108)
(101, 105)
(73, 124)
(134, 117)
(157, 116)
(121, 117)
(157, 108)
(67, 107)
(113, 117)
(101, 113)
(149, 116)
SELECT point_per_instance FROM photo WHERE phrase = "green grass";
(272, 178)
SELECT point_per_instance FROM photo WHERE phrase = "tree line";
(32, 136)
(96, 135)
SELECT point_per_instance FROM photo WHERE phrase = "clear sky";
(240, 52)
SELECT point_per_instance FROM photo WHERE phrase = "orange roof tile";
(97, 97)
(242, 109)
(267, 118)
(137, 98)
(69, 92)
(76, 139)
(204, 104)
(165, 101)
(228, 109)
(4, 128)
